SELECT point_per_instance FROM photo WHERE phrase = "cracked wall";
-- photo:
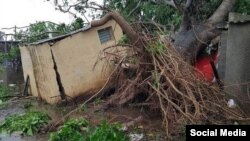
(74, 57)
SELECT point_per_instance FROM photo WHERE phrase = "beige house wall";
(44, 73)
(28, 69)
(75, 57)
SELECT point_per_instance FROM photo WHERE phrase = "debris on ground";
(162, 81)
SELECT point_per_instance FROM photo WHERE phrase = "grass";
(27, 124)
(5, 91)
(79, 130)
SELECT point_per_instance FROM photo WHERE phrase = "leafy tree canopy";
(158, 11)
(45, 29)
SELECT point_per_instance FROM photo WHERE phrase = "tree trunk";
(192, 39)
(189, 43)
(222, 11)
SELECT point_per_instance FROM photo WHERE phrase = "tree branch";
(188, 3)
(137, 6)
(186, 21)
(126, 27)
(167, 2)
(222, 11)
(69, 7)
(171, 3)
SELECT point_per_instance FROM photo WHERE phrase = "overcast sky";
(24, 12)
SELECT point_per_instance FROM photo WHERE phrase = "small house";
(63, 67)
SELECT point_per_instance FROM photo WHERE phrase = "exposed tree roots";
(155, 72)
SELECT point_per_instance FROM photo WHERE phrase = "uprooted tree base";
(157, 75)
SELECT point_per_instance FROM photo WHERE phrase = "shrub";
(28, 123)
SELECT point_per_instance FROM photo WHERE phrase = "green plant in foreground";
(78, 130)
(107, 132)
(27, 124)
(72, 130)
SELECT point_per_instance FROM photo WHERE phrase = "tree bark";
(190, 43)
(222, 11)
(191, 39)
(126, 27)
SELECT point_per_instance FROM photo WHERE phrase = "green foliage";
(77, 24)
(72, 130)
(156, 48)
(146, 12)
(159, 12)
(13, 53)
(123, 40)
(242, 6)
(78, 130)
(5, 91)
(107, 132)
(28, 123)
(168, 16)
(43, 30)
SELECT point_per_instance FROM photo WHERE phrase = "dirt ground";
(149, 123)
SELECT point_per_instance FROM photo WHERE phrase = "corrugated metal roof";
(57, 38)
(238, 18)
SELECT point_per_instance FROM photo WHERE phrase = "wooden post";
(25, 90)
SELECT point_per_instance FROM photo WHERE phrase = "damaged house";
(63, 67)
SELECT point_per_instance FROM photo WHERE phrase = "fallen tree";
(163, 79)
(194, 33)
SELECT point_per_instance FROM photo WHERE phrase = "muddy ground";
(150, 124)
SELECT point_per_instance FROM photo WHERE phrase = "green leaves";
(242, 6)
(156, 48)
(12, 54)
(44, 29)
(79, 130)
(146, 12)
(107, 132)
(27, 124)
(72, 130)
